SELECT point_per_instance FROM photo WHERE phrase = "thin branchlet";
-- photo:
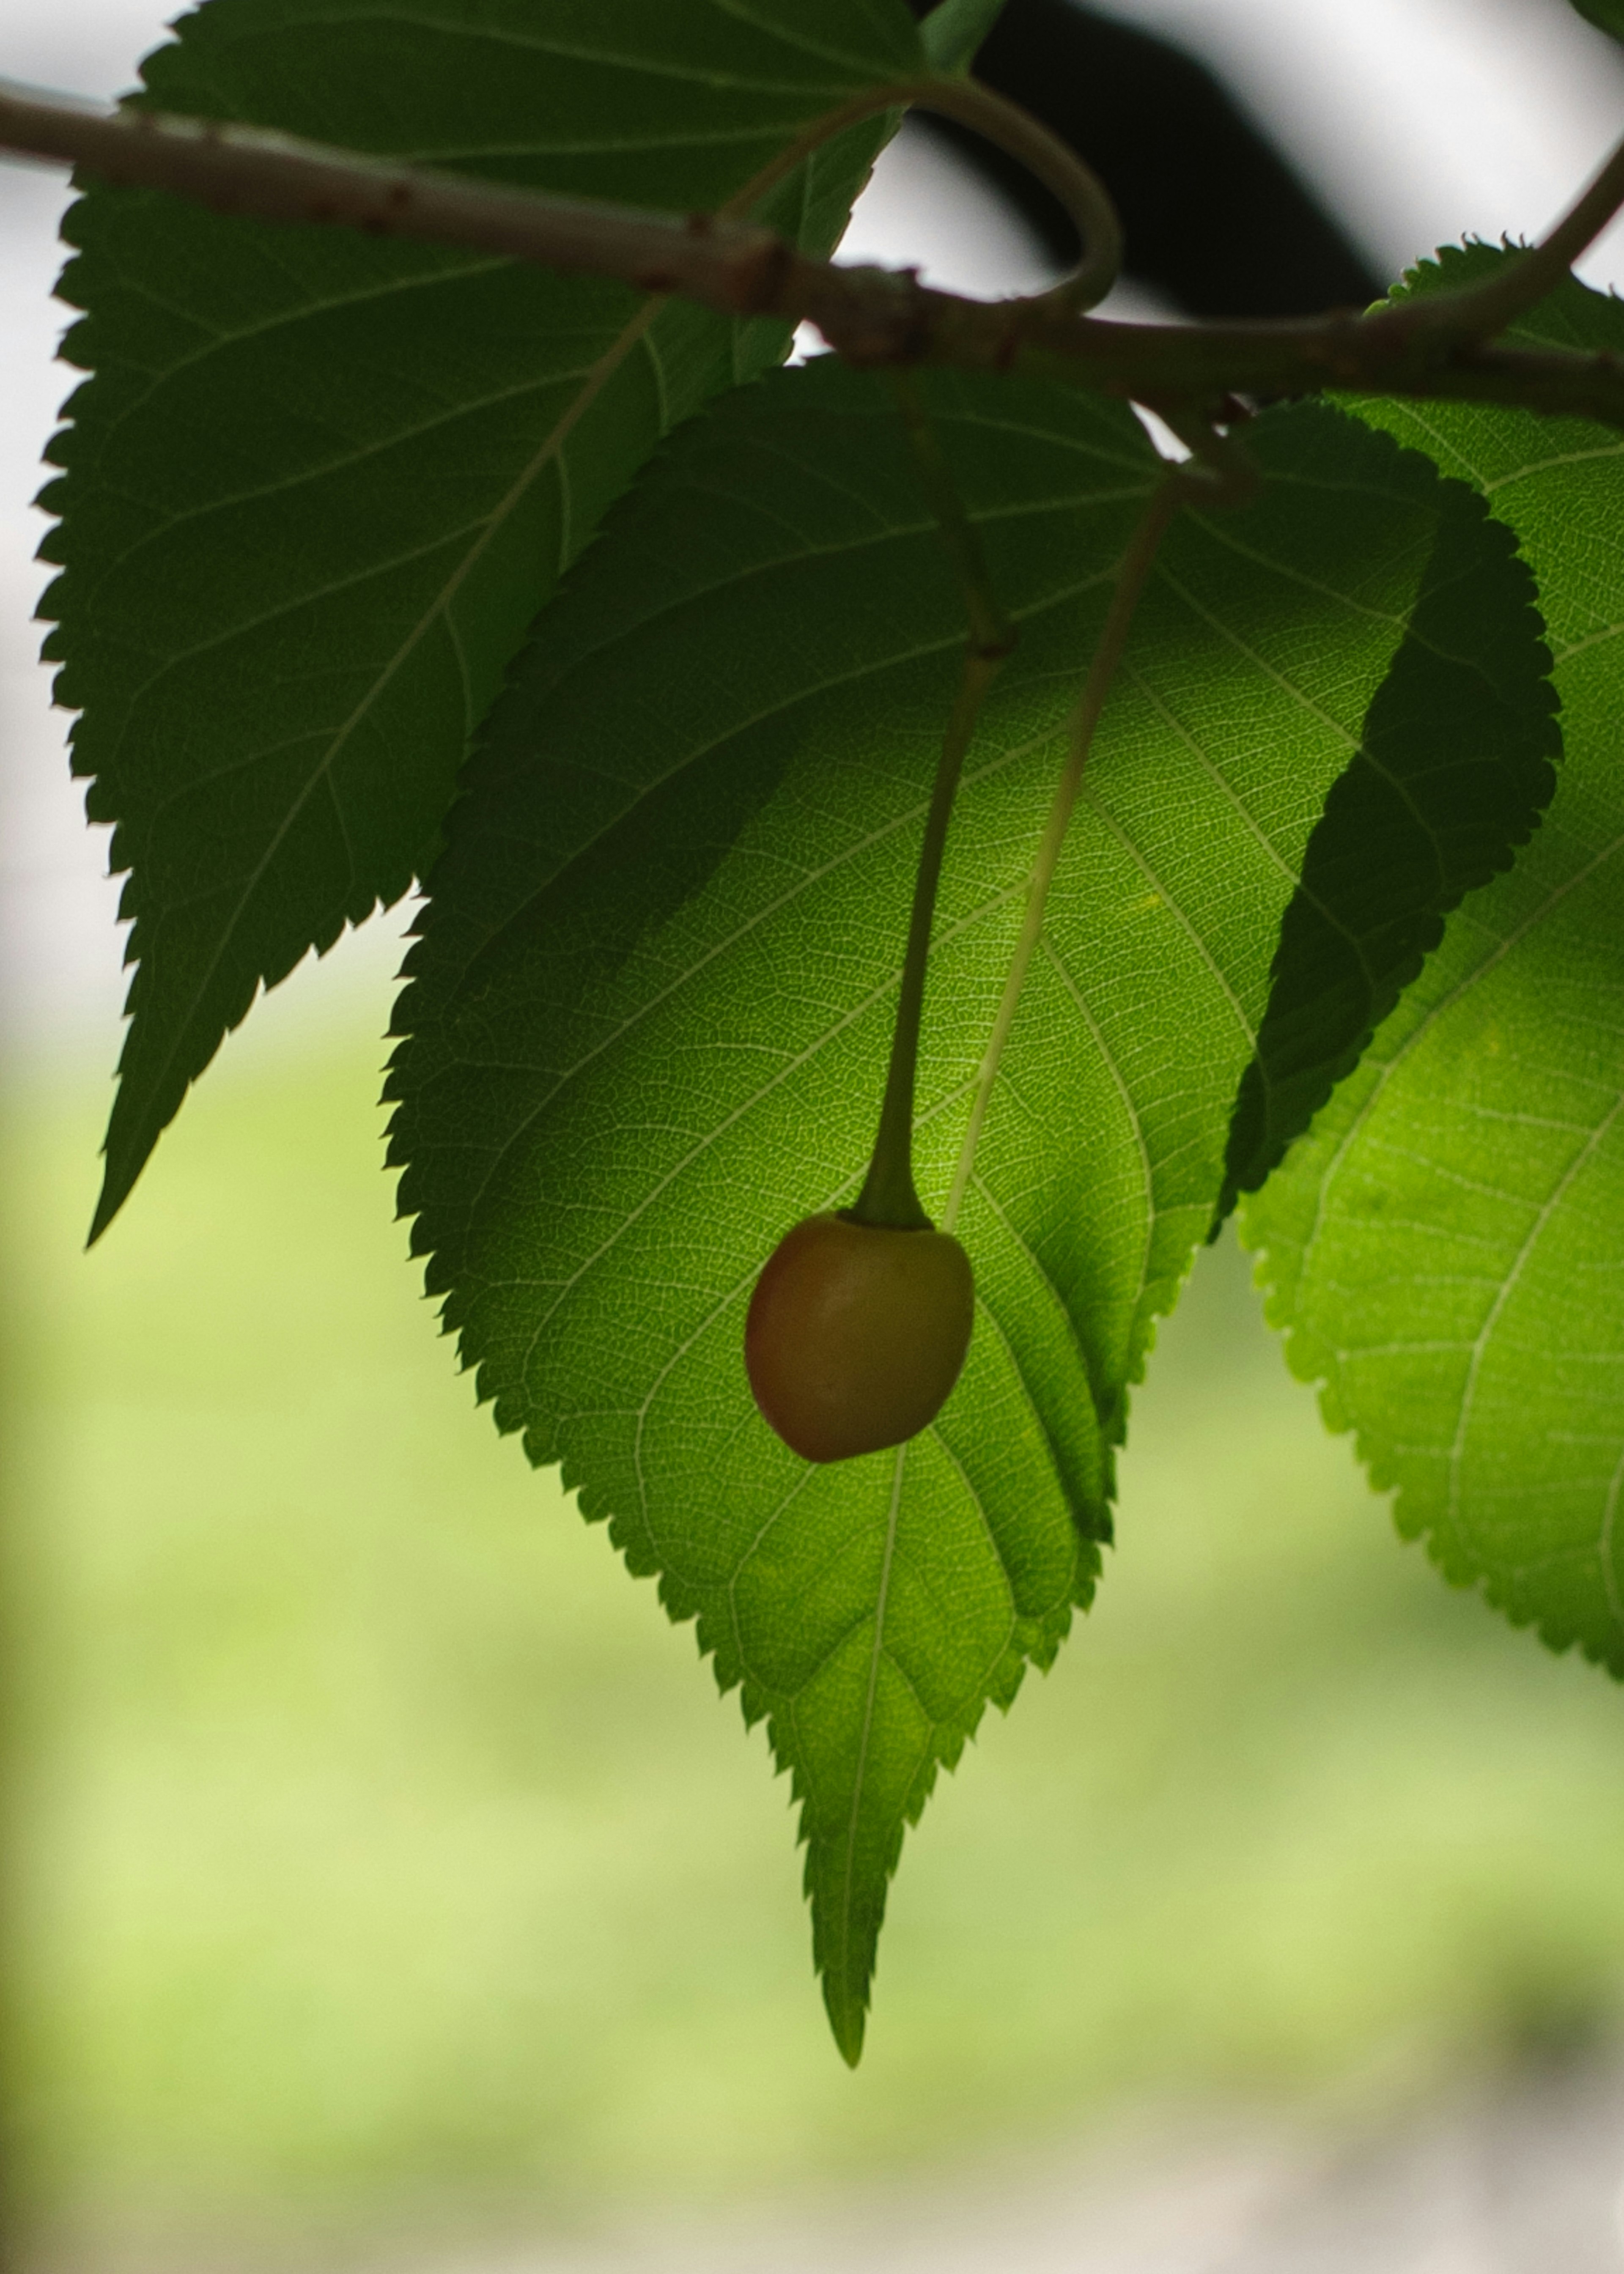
(1076, 186)
(1442, 345)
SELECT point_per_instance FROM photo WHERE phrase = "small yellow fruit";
(856, 1334)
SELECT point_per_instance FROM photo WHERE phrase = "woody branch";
(1441, 346)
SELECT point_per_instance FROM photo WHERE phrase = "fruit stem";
(888, 1197)
(992, 634)
(1131, 578)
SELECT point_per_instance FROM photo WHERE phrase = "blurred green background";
(384, 1844)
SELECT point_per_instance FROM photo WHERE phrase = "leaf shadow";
(1454, 767)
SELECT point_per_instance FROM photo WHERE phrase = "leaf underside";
(1446, 1249)
(320, 484)
(648, 1014)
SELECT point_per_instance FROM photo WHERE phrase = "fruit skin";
(856, 1333)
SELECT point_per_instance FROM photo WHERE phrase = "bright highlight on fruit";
(856, 1334)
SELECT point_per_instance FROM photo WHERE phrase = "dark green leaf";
(1446, 1249)
(952, 32)
(320, 485)
(648, 1015)
(1451, 774)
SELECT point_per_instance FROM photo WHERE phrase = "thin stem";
(872, 317)
(1583, 222)
(1132, 577)
(1062, 172)
(262, 176)
(1077, 186)
(991, 632)
(1477, 311)
(888, 1196)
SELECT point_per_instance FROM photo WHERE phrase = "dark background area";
(1215, 221)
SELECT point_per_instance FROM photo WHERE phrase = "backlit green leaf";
(320, 485)
(647, 1019)
(1446, 1249)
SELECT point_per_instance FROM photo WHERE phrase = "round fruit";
(856, 1334)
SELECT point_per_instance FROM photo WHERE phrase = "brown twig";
(871, 316)
(1475, 313)
(1077, 186)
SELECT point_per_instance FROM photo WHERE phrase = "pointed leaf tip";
(848, 2022)
(648, 1012)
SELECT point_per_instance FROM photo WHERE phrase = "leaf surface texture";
(1453, 771)
(648, 1017)
(1446, 1249)
(320, 485)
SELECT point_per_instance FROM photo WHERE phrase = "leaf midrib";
(1403, 625)
(285, 319)
(703, 1145)
(1485, 1332)
(1505, 944)
(314, 477)
(807, 881)
(602, 371)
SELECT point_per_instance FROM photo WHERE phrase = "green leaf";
(1453, 772)
(648, 1017)
(320, 485)
(1446, 1249)
(952, 32)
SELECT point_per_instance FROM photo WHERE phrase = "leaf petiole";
(1132, 577)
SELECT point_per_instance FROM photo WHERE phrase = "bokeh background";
(393, 1890)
